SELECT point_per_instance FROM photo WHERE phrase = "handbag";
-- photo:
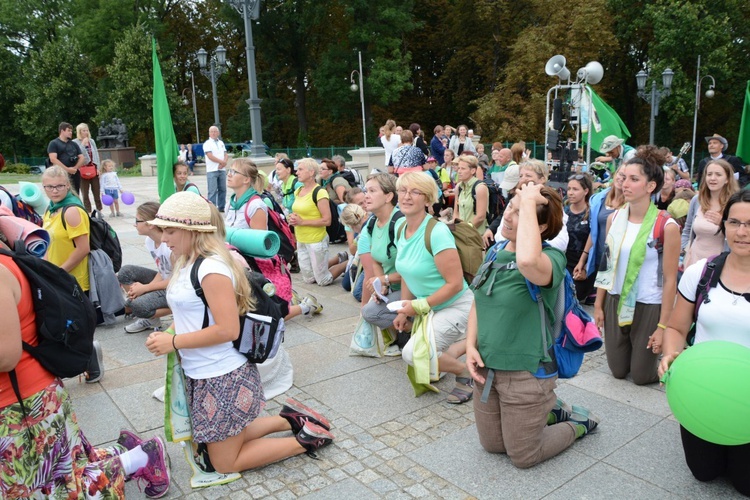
(88, 171)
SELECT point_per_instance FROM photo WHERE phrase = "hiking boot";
(96, 365)
(313, 437)
(315, 306)
(584, 418)
(129, 439)
(297, 414)
(560, 413)
(156, 473)
(143, 324)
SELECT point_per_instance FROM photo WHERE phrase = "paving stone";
(646, 398)
(383, 486)
(348, 488)
(337, 474)
(417, 491)
(257, 491)
(604, 481)
(368, 476)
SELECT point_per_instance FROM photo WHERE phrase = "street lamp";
(655, 96)
(213, 69)
(250, 9)
(709, 93)
(195, 107)
(361, 87)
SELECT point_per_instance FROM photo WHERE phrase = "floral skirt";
(221, 407)
(47, 456)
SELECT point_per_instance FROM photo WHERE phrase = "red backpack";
(278, 224)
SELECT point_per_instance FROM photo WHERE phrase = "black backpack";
(102, 237)
(496, 203)
(709, 279)
(391, 230)
(336, 231)
(65, 317)
(348, 176)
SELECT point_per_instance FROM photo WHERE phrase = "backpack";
(574, 331)
(468, 243)
(658, 243)
(278, 224)
(65, 317)
(391, 230)
(262, 330)
(496, 201)
(336, 231)
(101, 237)
(22, 209)
(709, 279)
(348, 176)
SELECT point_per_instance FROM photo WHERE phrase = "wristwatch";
(387, 281)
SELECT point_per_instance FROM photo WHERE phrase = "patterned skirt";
(221, 407)
(47, 456)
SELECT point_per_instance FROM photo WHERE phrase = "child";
(111, 186)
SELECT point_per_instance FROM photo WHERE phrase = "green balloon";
(708, 390)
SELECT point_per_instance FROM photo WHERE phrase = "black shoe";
(96, 365)
(313, 437)
(297, 414)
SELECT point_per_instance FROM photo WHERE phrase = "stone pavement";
(390, 444)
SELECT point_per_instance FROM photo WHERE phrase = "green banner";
(166, 142)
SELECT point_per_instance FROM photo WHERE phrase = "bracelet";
(663, 327)
(586, 252)
(174, 346)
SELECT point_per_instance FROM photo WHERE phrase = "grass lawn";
(10, 179)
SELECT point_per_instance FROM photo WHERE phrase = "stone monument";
(112, 140)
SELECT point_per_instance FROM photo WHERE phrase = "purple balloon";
(128, 198)
(107, 199)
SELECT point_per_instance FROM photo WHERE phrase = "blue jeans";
(346, 283)
(217, 188)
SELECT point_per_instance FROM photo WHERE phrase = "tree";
(56, 87)
(27, 25)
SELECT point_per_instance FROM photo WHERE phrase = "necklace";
(738, 295)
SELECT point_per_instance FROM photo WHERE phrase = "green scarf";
(70, 199)
(638, 252)
(236, 204)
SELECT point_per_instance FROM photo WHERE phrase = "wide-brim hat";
(185, 210)
(511, 178)
(609, 143)
(719, 138)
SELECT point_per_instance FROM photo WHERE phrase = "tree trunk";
(300, 102)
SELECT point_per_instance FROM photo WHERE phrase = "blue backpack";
(574, 331)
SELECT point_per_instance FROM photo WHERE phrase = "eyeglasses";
(57, 187)
(735, 224)
(414, 193)
(231, 172)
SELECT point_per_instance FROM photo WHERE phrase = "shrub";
(17, 168)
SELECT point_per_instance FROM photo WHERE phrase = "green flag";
(743, 142)
(166, 143)
(605, 121)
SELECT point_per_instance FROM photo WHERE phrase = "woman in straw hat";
(216, 373)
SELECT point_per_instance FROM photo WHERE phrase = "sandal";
(462, 392)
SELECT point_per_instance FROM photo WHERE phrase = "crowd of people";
(625, 242)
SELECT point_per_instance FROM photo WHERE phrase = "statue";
(112, 135)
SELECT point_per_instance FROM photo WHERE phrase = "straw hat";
(185, 210)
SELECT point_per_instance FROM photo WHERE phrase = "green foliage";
(57, 87)
(17, 168)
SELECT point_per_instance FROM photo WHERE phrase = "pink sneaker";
(129, 439)
(156, 473)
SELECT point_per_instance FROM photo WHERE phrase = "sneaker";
(143, 324)
(560, 413)
(119, 214)
(96, 365)
(392, 351)
(156, 473)
(297, 414)
(313, 437)
(315, 306)
(295, 298)
(343, 256)
(129, 439)
(582, 416)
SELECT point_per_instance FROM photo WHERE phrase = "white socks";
(133, 460)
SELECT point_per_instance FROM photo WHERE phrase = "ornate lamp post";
(213, 69)
(361, 88)
(655, 96)
(709, 93)
(250, 9)
(195, 107)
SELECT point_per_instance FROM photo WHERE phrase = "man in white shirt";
(216, 173)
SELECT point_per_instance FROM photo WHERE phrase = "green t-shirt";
(377, 245)
(509, 326)
(417, 267)
(466, 204)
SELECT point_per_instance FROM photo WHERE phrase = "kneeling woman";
(515, 406)
(216, 373)
(432, 281)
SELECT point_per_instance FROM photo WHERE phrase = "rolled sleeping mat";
(33, 195)
(254, 242)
